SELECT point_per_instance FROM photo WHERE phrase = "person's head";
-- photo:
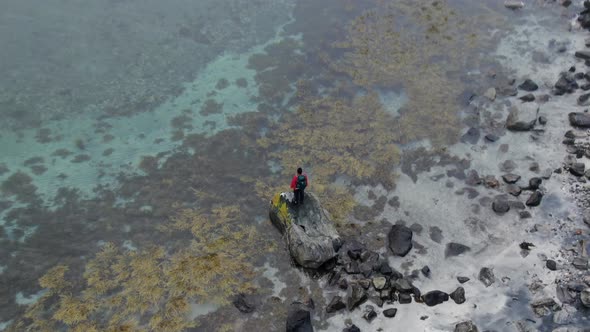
(299, 170)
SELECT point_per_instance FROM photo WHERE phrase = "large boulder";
(311, 236)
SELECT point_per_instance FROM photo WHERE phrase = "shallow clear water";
(142, 141)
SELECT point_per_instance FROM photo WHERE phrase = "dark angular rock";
(473, 178)
(458, 295)
(352, 268)
(551, 265)
(492, 137)
(405, 298)
(400, 240)
(242, 304)
(343, 284)
(426, 271)
(578, 169)
(528, 85)
(455, 249)
(467, 326)
(580, 263)
(385, 269)
(356, 296)
(566, 84)
(486, 276)
(435, 297)
(527, 98)
(390, 313)
(352, 328)
(500, 206)
(462, 280)
(369, 314)
(534, 199)
(510, 178)
(335, 305)
(579, 119)
(299, 318)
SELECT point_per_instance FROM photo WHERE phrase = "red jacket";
(294, 181)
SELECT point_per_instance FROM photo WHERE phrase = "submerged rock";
(299, 318)
(467, 326)
(528, 85)
(500, 206)
(523, 119)
(311, 237)
(400, 240)
(455, 249)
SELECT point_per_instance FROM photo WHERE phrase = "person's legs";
(301, 195)
(295, 196)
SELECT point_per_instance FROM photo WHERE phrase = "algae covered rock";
(311, 236)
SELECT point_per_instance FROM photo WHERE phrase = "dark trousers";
(299, 194)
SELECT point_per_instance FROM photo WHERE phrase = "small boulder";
(369, 313)
(580, 263)
(534, 199)
(584, 55)
(390, 313)
(486, 276)
(578, 169)
(405, 298)
(351, 328)
(527, 98)
(585, 297)
(534, 183)
(462, 280)
(510, 178)
(500, 206)
(458, 295)
(435, 297)
(528, 85)
(565, 84)
(523, 118)
(513, 190)
(455, 249)
(551, 265)
(299, 318)
(584, 100)
(400, 240)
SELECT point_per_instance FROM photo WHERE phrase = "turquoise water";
(142, 141)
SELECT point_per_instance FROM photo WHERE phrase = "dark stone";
(542, 120)
(523, 119)
(426, 271)
(354, 250)
(370, 314)
(510, 178)
(585, 86)
(335, 305)
(524, 214)
(385, 269)
(579, 119)
(534, 199)
(343, 284)
(584, 100)
(435, 297)
(580, 263)
(467, 326)
(473, 178)
(513, 190)
(579, 76)
(584, 55)
(242, 304)
(352, 328)
(527, 98)
(578, 169)
(356, 296)
(526, 245)
(458, 295)
(486, 276)
(405, 298)
(400, 240)
(529, 85)
(551, 265)
(403, 285)
(352, 268)
(535, 183)
(492, 137)
(566, 84)
(299, 318)
(390, 313)
(462, 280)
(500, 206)
(455, 249)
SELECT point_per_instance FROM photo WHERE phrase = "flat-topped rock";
(311, 236)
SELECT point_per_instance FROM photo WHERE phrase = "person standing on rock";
(298, 184)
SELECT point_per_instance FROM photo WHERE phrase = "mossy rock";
(311, 236)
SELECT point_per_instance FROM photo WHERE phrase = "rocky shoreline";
(359, 275)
